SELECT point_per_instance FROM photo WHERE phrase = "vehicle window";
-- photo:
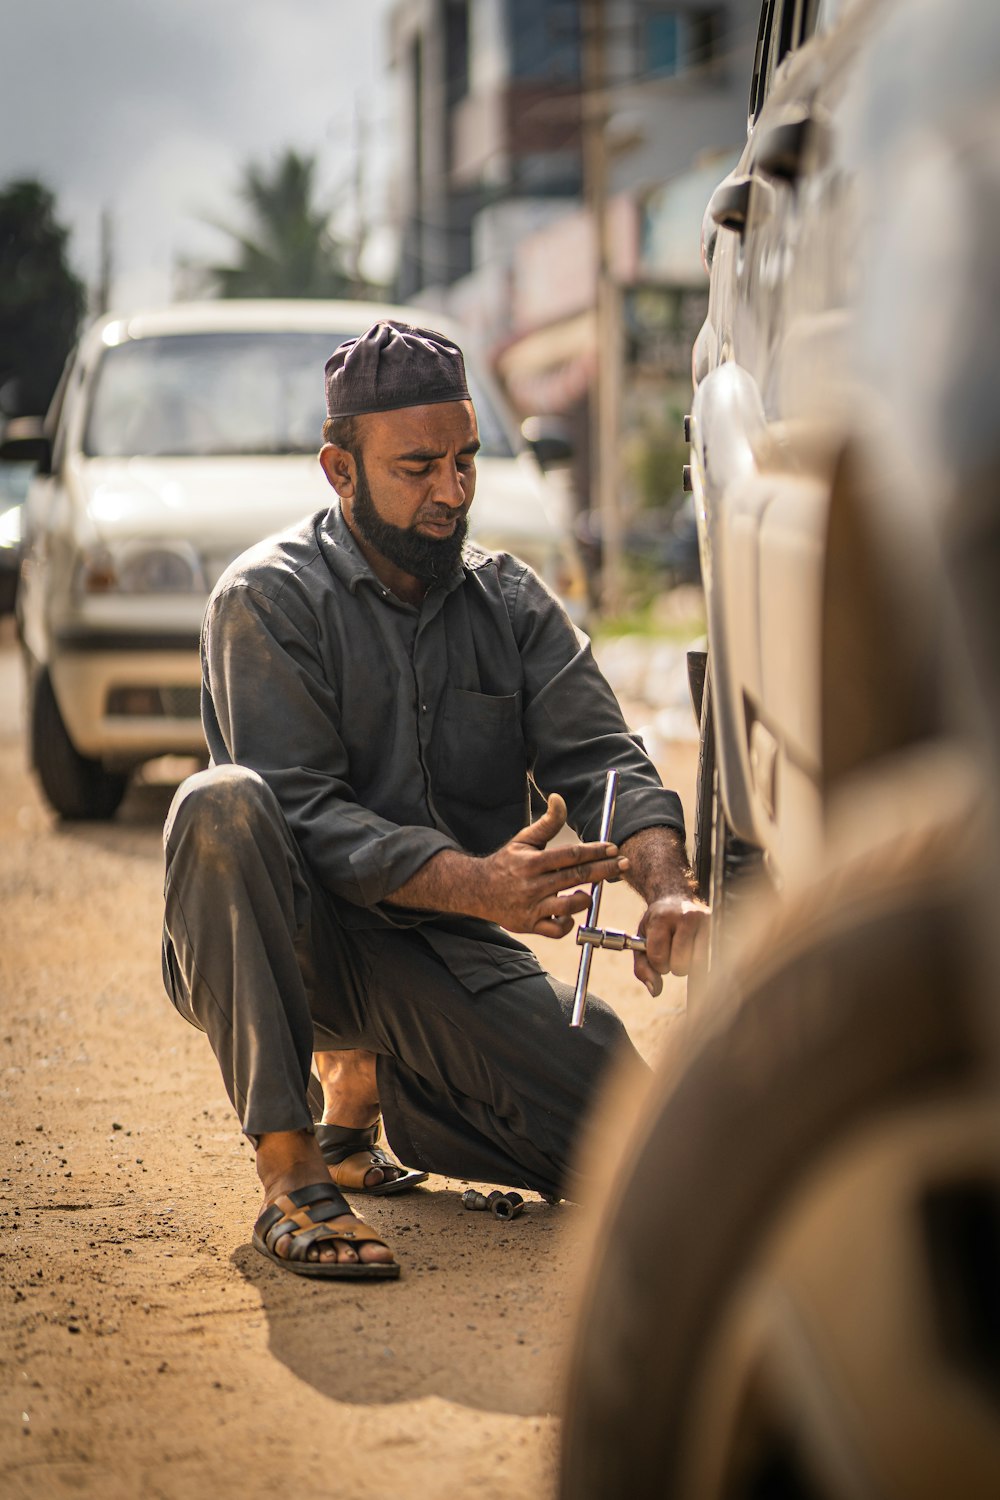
(225, 394)
(14, 481)
(760, 58)
(779, 31)
(782, 38)
(809, 14)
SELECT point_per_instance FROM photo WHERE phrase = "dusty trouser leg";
(493, 1085)
(237, 951)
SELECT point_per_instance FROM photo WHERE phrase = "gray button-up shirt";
(389, 731)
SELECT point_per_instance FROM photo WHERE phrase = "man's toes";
(330, 1252)
(376, 1253)
(375, 1177)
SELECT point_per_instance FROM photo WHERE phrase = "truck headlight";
(142, 568)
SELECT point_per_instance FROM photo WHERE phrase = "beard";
(431, 559)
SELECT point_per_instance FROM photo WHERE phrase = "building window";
(544, 39)
(672, 40)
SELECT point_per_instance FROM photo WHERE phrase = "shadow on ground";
(479, 1315)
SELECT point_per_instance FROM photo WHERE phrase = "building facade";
(498, 103)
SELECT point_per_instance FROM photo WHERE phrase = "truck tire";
(725, 867)
(865, 1006)
(76, 787)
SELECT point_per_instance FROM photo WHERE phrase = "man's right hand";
(525, 886)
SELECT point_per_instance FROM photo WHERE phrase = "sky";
(150, 108)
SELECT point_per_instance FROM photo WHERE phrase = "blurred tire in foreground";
(795, 1290)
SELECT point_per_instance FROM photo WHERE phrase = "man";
(346, 876)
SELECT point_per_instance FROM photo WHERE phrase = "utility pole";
(605, 429)
(360, 228)
(102, 293)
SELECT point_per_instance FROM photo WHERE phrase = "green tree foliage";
(288, 250)
(41, 300)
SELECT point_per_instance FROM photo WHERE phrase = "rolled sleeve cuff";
(384, 864)
(646, 807)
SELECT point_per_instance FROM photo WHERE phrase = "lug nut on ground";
(500, 1205)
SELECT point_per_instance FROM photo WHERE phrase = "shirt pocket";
(481, 758)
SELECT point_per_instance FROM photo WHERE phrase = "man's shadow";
(480, 1316)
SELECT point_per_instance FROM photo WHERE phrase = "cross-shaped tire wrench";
(590, 936)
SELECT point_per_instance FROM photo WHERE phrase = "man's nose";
(449, 489)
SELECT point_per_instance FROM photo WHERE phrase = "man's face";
(414, 481)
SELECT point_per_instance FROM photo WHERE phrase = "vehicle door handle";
(781, 150)
(729, 204)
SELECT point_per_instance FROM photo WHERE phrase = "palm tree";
(288, 250)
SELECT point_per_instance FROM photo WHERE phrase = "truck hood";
(205, 501)
(228, 504)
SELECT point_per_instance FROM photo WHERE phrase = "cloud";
(151, 109)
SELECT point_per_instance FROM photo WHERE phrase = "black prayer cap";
(393, 365)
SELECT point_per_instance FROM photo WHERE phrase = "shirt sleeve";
(574, 728)
(267, 704)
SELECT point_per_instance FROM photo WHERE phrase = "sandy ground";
(147, 1349)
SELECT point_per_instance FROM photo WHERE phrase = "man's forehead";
(437, 426)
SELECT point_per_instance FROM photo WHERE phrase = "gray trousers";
(491, 1086)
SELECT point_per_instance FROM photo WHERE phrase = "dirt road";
(146, 1348)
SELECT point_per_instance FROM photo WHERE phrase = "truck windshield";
(225, 394)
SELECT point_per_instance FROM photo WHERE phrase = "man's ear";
(340, 469)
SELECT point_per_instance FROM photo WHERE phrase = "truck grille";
(140, 702)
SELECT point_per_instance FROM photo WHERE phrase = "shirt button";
(423, 708)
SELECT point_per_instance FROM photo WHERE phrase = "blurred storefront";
(493, 224)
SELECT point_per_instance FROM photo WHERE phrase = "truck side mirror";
(548, 439)
(25, 441)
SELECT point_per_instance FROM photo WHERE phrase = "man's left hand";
(676, 933)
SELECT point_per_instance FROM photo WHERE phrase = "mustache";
(443, 513)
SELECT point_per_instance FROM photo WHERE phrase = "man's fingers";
(553, 927)
(676, 943)
(563, 905)
(547, 826)
(682, 948)
(555, 913)
(567, 858)
(646, 974)
(559, 878)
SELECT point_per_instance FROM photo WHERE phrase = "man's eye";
(417, 473)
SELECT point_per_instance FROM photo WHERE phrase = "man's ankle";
(281, 1152)
(350, 1088)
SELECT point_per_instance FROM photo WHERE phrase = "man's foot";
(359, 1165)
(309, 1221)
(348, 1132)
(321, 1230)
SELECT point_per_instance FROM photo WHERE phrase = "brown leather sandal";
(352, 1153)
(318, 1215)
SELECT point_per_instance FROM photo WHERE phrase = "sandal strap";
(303, 1237)
(338, 1142)
(292, 1208)
(324, 1216)
(319, 1192)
